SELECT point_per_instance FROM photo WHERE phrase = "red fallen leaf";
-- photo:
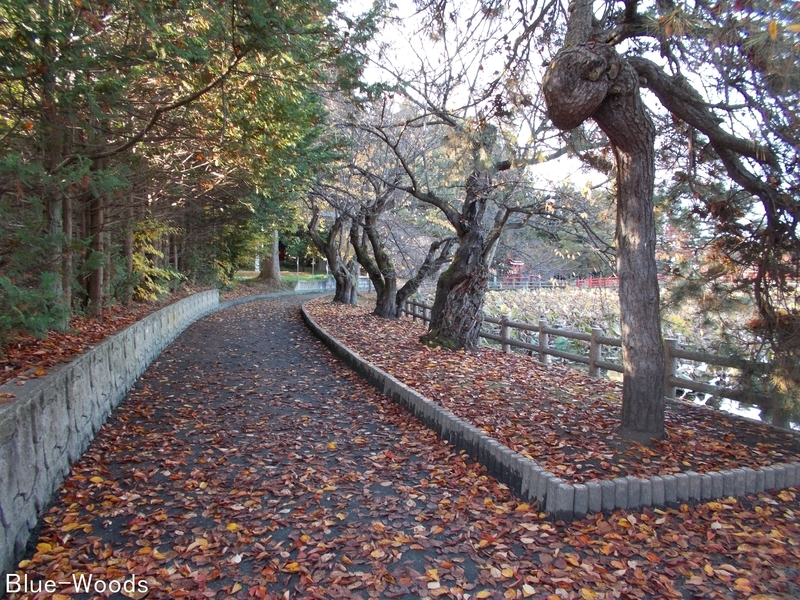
(652, 557)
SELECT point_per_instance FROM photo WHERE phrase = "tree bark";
(430, 266)
(346, 285)
(96, 226)
(354, 268)
(379, 266)
(590, 80)
(66, 253)
(270, 264)
(53, 140)
(457, 312)
(127, 250)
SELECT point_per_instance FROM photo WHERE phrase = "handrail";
(672, 381)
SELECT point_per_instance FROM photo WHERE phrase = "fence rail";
(596, 341)
(531, 281)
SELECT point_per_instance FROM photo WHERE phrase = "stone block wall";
(50, 421)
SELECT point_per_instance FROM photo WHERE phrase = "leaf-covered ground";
(556, 415)
(248, 463)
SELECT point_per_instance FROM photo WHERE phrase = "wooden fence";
(594, 359)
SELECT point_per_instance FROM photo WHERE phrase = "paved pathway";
(247, 462)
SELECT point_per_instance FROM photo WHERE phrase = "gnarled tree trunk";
(379, 266)
(589, 79)
(457, 312)
(346, 284)
(439, 254)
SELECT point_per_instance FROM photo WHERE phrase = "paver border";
(560, 500)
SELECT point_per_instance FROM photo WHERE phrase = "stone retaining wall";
(50, 421)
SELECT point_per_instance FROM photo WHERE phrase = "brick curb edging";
(561, 500)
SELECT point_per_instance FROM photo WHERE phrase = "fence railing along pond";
(595, 342)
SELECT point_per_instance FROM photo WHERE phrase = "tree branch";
(685, 102)
(168, 108)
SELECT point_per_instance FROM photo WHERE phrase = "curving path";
(247, 463)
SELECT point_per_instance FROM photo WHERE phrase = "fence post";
(505, 331)
(544, 357)
(426, 314)
(670, 367)
(594, 352)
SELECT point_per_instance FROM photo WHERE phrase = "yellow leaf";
(433, 574)
(523, 507)
(588, 594)
(528, 590)
(773, 29)
(203, 485)
(794, 27)
(232, 527)
(331, 445)
(507, 573)
(291, 567)
(236, 587)
(483, 594)
(347, 561)
(96, 479)
(377, 553)
(624, 523)
(43, 547)
(341, 516)
(709, 570)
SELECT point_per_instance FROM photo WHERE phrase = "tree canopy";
(149, 142)
(204, 116)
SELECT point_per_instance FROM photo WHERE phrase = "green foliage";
(151, 282)
(234, 246)
(179, 113)
(28, 309)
